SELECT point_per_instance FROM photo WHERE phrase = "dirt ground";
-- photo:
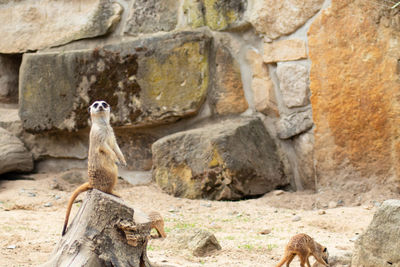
(32, 213)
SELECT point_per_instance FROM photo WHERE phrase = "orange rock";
(228, 95)
(355, 86)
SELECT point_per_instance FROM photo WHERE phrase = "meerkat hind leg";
(289, 259)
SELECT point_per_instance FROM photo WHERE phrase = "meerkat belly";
(103, 176)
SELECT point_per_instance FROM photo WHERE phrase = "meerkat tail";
(84, 187)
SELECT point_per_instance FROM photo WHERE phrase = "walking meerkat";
(104, 154)
(304, 246)
(157, 222)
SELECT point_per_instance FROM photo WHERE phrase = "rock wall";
(321, 76)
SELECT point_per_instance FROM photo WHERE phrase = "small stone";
(48, 204)
(208, 205)
(265, 232)
(296, 218)
(203, 243)
(11, 247)
(57, 197)
(340, 202)
(332, 204)
(278, 192)
(321, 212)
(31, 194)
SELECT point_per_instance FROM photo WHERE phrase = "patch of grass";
(184, 225)
(271, 246)
(246, 246)
(229, 237)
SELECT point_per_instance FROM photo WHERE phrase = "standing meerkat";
(104, 154)
(304, 246)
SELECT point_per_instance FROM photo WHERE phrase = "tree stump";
(105, 232)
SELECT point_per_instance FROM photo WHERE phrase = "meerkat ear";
(88, 109)
(325, 249)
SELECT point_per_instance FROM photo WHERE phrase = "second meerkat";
(104, 154)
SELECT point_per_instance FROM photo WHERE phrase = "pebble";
(48, 204)
(208, 205)
(31, 194)
(11, 247)
(296, 219)
(265, 232)
(321, 212)
(57, 197)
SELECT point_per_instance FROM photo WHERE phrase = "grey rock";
(48, 204)
(379, 245)
(13, 154)
(149, 81)
(303, 145)
(294, 124)
(9, 69)
(296, 218)
(148, 16)
(294, 84)
(65, 21)
(203, 243)
(231, 159)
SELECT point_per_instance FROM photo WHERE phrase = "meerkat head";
(100, 111)
(325, 254)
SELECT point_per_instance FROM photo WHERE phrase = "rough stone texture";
(218, 15)
(354, 80)
(276, 18)
(294, 84)
(9, 120)
(57, 145)
(9, 69)
(231, 159)
(379, 245)
(284, 50)
(33, 25)
(148, 16)
(14, 157)
(294, 124)
(105, 232)
(136, 148)
(203, 243)
(148, 81)
(227, 96)
(303, 145)
(262, 85)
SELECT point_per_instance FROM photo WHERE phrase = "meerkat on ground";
(304, 246)
(157, 222)
(104, 154)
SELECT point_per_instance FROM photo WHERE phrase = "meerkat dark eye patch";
(104, 104)
(95, 105)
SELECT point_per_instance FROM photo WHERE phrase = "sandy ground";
(32, 214)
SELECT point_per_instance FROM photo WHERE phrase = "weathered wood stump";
(105, 232)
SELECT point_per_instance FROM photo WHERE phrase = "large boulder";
(380, 244)
(14, 157)
(33, 25)
(232, 159)
(148, 81)
(354, 82)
